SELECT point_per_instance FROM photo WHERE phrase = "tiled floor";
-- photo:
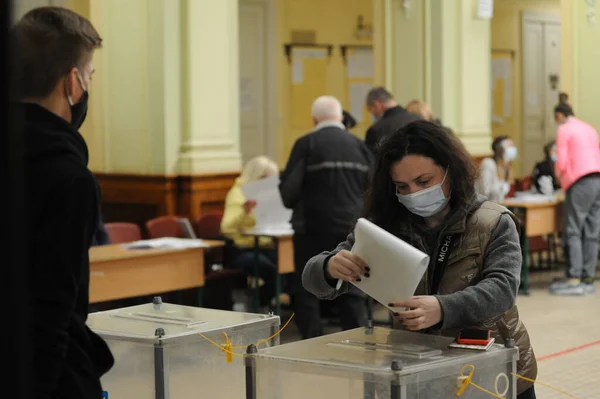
(557, 326)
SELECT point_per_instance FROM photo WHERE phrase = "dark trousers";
(528, 394)
(267, 268)
(582, 226)
(353, 310)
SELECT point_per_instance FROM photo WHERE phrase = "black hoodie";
(63, 210)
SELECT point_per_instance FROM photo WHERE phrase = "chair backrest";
(526, 183)
(123, 232)
(209, 225)
(164, 226)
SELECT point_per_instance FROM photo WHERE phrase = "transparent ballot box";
(369, 363)
(165, 351)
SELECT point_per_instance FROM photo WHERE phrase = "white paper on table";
(166, 243)
(270, 213)
(396, 266)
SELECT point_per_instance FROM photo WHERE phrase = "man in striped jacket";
(324, 182)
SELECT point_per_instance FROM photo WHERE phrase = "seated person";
(543, 178)
(496, 173)
(238, 217)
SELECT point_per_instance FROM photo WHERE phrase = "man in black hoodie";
(52, 54)
(388, 116)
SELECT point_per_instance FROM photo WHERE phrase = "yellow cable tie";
(545, 385)
(485, 390)
(468, 381)
(228, 348)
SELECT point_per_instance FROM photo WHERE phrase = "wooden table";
(117, 273)
(539, 219)
(284, 246)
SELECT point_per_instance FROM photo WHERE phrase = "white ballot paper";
(269, 212)
(396, 266)
(166, 243)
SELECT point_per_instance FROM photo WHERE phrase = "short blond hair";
(257, 168)
(420, 108)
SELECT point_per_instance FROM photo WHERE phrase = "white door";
(541, 82)
(256, 72)
(552, 75)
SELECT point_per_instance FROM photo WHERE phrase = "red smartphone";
(474, 337)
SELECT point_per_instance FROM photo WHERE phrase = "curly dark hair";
(429, 140)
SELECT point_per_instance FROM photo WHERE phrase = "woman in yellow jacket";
(238, 216)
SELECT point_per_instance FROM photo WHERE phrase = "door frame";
(271, 112)
(527, 17)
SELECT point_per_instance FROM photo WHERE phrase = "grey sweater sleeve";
(314, 279)
(497, 291)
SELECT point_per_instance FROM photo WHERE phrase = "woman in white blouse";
(495, 174)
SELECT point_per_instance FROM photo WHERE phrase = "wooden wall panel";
(201, 193)
(138, 198)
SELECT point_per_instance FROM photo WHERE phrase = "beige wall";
(506, 35)
(581, 58)
(333, 22)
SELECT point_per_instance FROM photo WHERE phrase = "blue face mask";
(374, 118)
(426, 202)
(553, 157)
(510, 154)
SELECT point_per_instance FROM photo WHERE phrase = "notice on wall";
(358, 96)
(485, 9)
(298, 58)
(360, 64)
(501, 88)
(298, 71)
(247, 94)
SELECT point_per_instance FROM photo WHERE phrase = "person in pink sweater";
(578, 169)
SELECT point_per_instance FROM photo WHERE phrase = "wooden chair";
(164, 226)
(208, 226)
(123, 232)
(220, 281)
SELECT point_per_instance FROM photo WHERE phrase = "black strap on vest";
(439, 265)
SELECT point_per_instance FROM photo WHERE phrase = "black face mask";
(79, 111)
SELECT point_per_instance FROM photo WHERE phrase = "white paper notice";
(358, 97)
(246, 94)
(360, 64)
(501, 70)
(485, 9)
(396, 266)
(270, 213)
(166, 243)
(298, 71)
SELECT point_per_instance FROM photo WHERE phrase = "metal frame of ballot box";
(160, 348)
(404, 370)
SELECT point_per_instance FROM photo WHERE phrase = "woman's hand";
(425, 311)
(347, 266)
(249, 206)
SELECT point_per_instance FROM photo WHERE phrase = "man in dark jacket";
(323, 183)
(388, 116)
(53, 49)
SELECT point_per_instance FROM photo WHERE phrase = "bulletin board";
(501, 86)
(359, 81)
(308, 80)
